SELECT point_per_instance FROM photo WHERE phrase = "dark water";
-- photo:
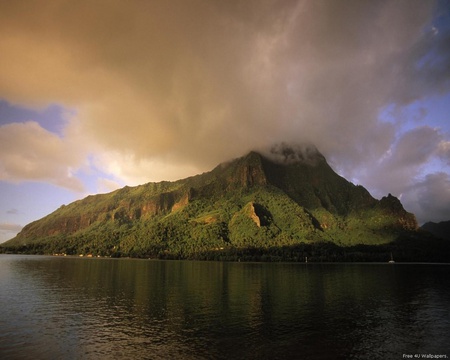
(72, 308)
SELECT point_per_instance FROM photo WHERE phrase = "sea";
(100, 308)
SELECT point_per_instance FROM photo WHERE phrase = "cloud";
(202, 82)
(12, 211)
(30, 153)
(444, 151)
(167, 89)
(400, 171)
(107, 185)
(399, 167)
(415, 147)
(430, 198)
(10, 228)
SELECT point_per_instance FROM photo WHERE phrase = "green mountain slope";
(285, 199)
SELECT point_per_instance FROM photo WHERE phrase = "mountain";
(285, 204)
(440, 230)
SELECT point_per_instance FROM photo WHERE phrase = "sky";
(96, 95)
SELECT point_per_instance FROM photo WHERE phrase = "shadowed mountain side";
(440, 229)
(285, 198)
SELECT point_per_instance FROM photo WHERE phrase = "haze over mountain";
(286, 197)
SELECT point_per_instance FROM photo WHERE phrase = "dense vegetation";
(251, 208)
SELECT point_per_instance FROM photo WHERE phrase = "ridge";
(287, 196)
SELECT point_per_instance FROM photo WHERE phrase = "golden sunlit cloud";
(29, 152)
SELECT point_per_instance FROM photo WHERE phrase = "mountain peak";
(284, 196)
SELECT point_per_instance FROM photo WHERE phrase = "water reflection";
(110, 308)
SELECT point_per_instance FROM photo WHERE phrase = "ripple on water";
(90, 309)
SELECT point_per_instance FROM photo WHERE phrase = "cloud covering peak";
(165, 89)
